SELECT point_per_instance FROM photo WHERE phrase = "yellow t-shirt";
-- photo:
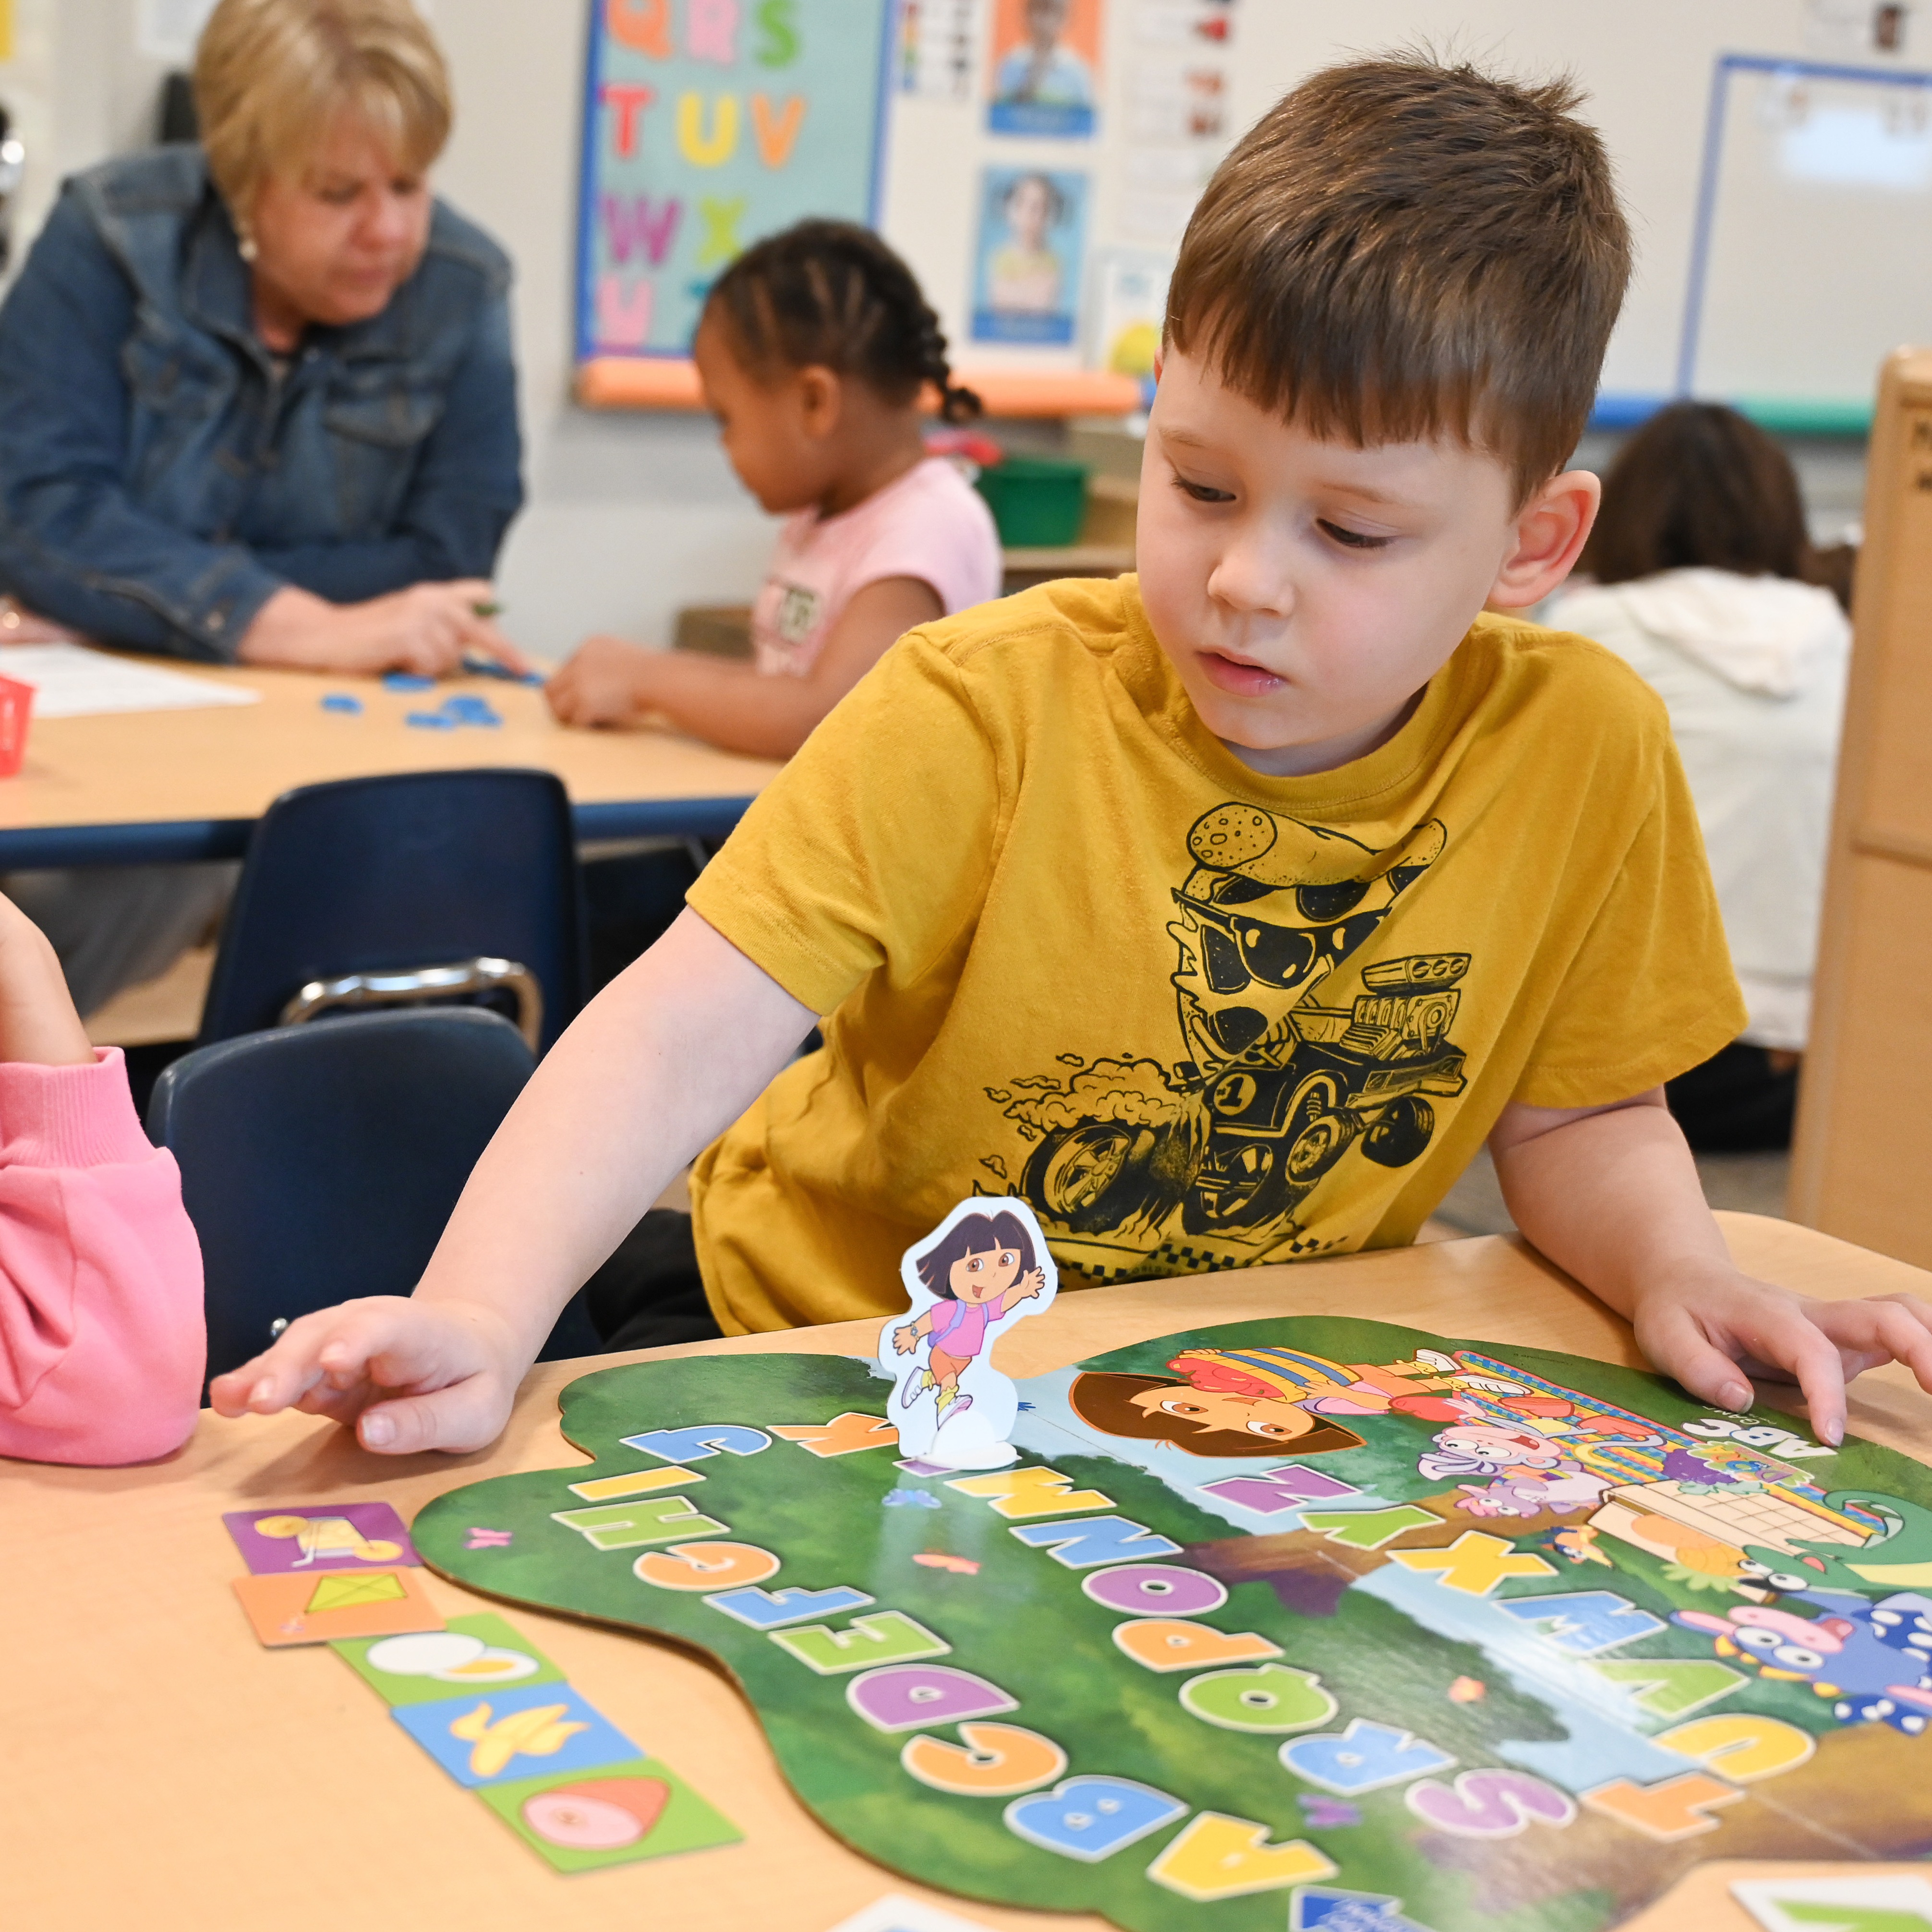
(1071, 948)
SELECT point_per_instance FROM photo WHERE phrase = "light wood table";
(161, 786)
(157, 1767)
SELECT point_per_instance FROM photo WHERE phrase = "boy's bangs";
(1358, 381)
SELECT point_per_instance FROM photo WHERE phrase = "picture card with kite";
(300, 1607)
(1316, 1619)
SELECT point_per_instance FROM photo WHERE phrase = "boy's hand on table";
(406, 1374)
(604, 681)
(1611, 1195)
(1713, 1326)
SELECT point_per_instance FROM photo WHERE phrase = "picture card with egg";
(471, 1653)
(581, 1821)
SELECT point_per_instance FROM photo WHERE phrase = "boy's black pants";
(649, 1293)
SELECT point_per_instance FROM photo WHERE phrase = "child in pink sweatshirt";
(102, 1346)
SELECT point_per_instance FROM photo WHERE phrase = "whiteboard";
(1811, 260)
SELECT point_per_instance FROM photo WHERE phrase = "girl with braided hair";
(815, 350)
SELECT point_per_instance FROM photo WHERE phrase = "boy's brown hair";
(1401, 250)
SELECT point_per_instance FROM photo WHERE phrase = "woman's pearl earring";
(244, 245)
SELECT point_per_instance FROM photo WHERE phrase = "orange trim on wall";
(663, 382)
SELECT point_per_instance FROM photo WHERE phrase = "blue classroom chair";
(400, 888)
(320, 1163)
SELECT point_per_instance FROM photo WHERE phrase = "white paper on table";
(70, 681)
(1892, 1900)
(895, 1912)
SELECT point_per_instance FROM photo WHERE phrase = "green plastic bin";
(1038, 502)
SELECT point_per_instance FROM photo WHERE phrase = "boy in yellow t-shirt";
(1222, 914)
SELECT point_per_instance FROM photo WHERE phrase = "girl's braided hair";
(833, 293)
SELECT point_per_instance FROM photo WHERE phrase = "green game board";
(1467, 1637)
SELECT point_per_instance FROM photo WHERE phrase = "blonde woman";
(256, 396)
(257, 403)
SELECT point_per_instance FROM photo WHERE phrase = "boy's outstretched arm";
(659, 1064)
(1611, 1195)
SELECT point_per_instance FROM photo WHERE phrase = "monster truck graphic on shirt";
(1135, 1165)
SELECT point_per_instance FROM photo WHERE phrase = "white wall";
(632, 516)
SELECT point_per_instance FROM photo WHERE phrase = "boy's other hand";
(1716, 1326)
(405, 1374)
(605, 681)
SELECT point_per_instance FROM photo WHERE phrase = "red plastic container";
(16, 704)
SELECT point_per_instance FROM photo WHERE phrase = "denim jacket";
(161, 478)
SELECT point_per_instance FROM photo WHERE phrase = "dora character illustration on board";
(982, 1268)
(1248, 1402)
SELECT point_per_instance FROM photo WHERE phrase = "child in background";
(815, 349)
(1700, 559)
(1221, 914)
(101, 1343)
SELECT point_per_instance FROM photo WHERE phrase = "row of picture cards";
(491, 1709)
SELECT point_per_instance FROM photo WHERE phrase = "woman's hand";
(428, 628)
(604, 681)
(38, 1023)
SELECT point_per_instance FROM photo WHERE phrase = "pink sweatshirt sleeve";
(102, 1342)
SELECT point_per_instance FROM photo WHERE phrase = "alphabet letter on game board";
(1216, 1856)
(1100, 1539)
(1271, 1697)
(1741, 1745)
(705, 1566)
(1671, 1686)
(992, 1760)
(1275, 1492)
(843, 1435)
(1364, 1757)
(769, 1609)
(1172, 1643)
(1585, 1621)
(1020, 1493)
(635, 1482)
(649, 1519)
(1489, 1804)
(1092, 1818)
(886, 1636)
(1148, 1589)
(908, 1696)
(1677, 1808)
(1368, 1529)
(1474, 1563)
(700, 1440)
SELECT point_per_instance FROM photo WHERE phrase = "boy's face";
(1305, 591)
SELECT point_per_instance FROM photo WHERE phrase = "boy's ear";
(1551, 529)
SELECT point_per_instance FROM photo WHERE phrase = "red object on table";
(16, 704)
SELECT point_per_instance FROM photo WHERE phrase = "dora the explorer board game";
(1310, 1623)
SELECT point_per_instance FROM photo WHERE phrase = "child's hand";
(605, 681)
(1712, 1320)
(406, 1375)
(37, 1022)
(905, 1339)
